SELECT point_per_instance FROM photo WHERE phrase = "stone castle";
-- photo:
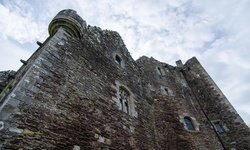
(81, 90)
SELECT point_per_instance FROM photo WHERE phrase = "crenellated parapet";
(70, 21)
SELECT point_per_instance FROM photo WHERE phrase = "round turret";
(72, 23)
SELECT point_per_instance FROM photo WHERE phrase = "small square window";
(218, 127)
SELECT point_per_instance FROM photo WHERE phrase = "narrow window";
(126, 106)
(189, 124)
(218, 127)
(120, 102)
(118, 60)
(166, 91)
(159, 70)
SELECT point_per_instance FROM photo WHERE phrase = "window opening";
(120, 103)
(189, 124)
(118, 60)
(159, 70)
(218, 127)
(166, 91)
(126, 105)
(124, 100)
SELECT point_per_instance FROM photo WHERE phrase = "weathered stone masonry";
(82, 90)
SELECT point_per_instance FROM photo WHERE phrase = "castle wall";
(67, 97)
(82, 90)
(170, 109)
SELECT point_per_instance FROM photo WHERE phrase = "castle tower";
(70, 21)
(81, 89)
(229, 126)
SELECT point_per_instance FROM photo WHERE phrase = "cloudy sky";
(217, 32)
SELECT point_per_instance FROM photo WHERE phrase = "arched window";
(189, 124)
(118, 60)
(123, 96)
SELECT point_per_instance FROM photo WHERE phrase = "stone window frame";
(124, 100)
(221, 125)
(118, 60)
(163, 90)
(166, 91)
(131, 98)
(193, 121)
(189, 123)
(160, 71)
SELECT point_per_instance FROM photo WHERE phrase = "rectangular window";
(120, 103)
(166, 91)
(218, 127)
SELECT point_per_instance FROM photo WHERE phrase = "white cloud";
(14, 24)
